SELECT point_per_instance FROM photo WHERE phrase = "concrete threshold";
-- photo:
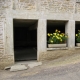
(63, 48)
(23, 65)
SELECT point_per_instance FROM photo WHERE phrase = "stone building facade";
(41, 12)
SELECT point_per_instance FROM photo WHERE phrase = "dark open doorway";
(25, 39)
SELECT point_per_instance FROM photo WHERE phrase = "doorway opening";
(25, 39)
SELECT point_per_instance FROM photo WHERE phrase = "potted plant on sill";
(78, 38)
(57, 39)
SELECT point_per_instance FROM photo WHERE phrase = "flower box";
(56, 45)
(78, 44)
(57, 39)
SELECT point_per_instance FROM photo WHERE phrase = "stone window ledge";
(49, 49)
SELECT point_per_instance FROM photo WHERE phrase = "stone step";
(18, 67)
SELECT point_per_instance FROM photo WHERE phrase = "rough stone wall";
(49, 6)
(5, 59)
(77, 9)
(55, 6)
(25, 4)
(45, 6)
(58, 6)
(6, 4)
(2, 25)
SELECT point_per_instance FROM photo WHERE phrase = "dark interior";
(25, 39)
(53, 25)
(77, 27)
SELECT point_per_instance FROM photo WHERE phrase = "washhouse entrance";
(53, 25)
(25, 39)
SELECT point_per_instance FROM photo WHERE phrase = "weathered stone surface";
(26, 4)
(6, 60)
(41, 10)
(8, 67)
(57, 53)
(1, 34)
(77, 8)
(52, 6)
(5, 4)
(18, 67)
(34, 64)
(1, 51)
(57, 6)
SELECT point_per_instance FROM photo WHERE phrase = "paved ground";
(67, 68)
(68, 72)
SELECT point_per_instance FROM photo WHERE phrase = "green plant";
(78, 36)
(57, 37)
